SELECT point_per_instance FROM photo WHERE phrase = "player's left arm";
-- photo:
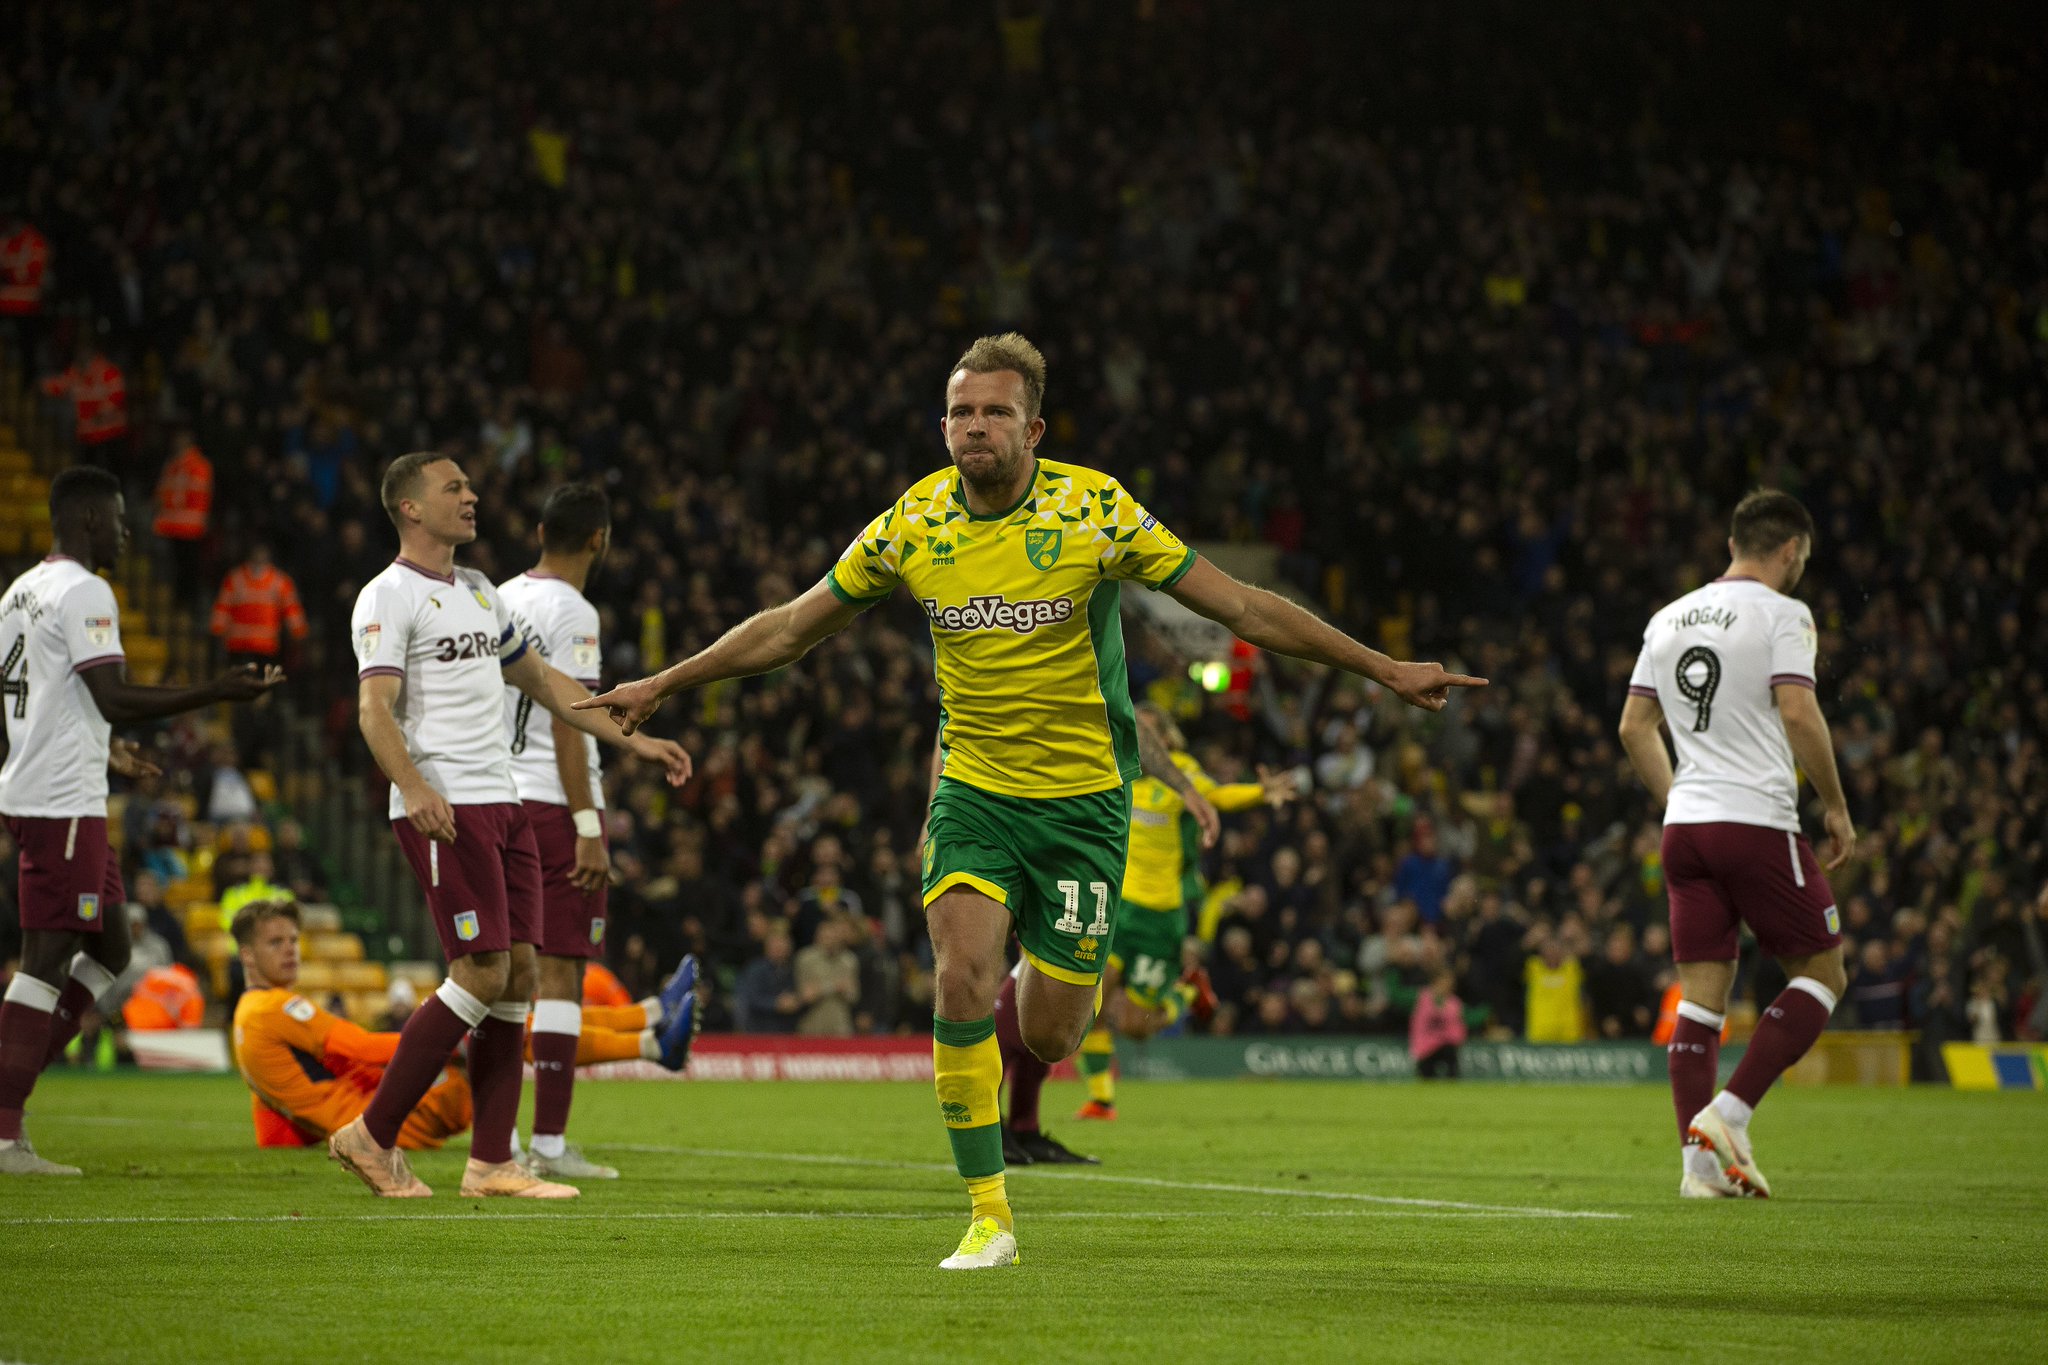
(1812, 744)
(559, 693)
(1270, 621)
(348, 1043)
(1642, 736)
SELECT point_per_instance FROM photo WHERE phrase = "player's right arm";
(94, 642)
(1807, 730)
(429, 811)
(1642, 722)
(762, 643)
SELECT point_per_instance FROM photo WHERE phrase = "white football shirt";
(1711, 659)
(560, 623)
(56, 621)
(448, 637)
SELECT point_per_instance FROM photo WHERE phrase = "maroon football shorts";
(70, 880)
(572, 921)
(484, 889)
(1724, 875)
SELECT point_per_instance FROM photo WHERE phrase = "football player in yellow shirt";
(1017, 562)
(1145, 958)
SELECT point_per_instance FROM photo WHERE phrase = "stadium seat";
(334, 947)
(319, 918)
(360, 976)
(316, 976)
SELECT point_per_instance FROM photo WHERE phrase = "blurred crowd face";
(987, 433)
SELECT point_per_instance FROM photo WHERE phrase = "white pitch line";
(872, 1163)
(721, 1216)
(1155, 1182)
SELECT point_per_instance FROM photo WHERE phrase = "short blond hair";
(250, 919)
(1010, 351)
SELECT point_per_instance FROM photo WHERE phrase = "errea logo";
(996, 612)
(940, 548)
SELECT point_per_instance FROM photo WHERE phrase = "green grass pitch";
(1229, 1221)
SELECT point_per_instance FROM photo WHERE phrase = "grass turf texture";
(1225, 1223)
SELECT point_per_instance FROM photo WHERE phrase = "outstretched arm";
(1270, 621)
(122, 702)
(564, 698)
(760, 644)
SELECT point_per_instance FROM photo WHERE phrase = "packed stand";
(1481, 318)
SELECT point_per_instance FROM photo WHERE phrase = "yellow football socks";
(1098, 1051)
(967, 1069)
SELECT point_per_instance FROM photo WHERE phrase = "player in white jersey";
(560, 783)
(63, 687)
(435, 646)
(1730, 668)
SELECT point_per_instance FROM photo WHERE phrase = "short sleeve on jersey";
(1144, 551)
(381, 630)
(1643, 682)
(92, 625)
(873, 565)
(1794, 645)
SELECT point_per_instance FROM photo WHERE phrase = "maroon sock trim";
(497, 1065)
(1787, 1031)
(430, 1035)
(1694, 1058)
(554, 1081)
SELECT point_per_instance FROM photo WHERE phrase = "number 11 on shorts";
(1070, 918)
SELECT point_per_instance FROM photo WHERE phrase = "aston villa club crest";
(465, 925)
(88, 906)
(1042, 546)
(597, 933)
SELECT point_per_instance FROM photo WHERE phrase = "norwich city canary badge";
(1042, 546)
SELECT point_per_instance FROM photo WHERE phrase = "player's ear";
(1034, 433)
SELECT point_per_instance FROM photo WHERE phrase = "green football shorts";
(1056, 863)
(1147, 950)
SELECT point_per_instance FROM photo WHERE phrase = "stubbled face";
(273, 955)
(445, 503)
(987, 432)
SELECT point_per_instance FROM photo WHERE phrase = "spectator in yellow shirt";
(1556, 984)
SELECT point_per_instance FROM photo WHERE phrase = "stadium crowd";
(1487, 375)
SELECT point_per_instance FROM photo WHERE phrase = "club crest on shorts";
(596, 933)
(465, 925)
(1042, 546)
(1834, 919)
(88, 906)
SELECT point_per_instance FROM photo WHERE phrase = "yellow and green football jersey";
(1153, 871)
(1023, 612)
